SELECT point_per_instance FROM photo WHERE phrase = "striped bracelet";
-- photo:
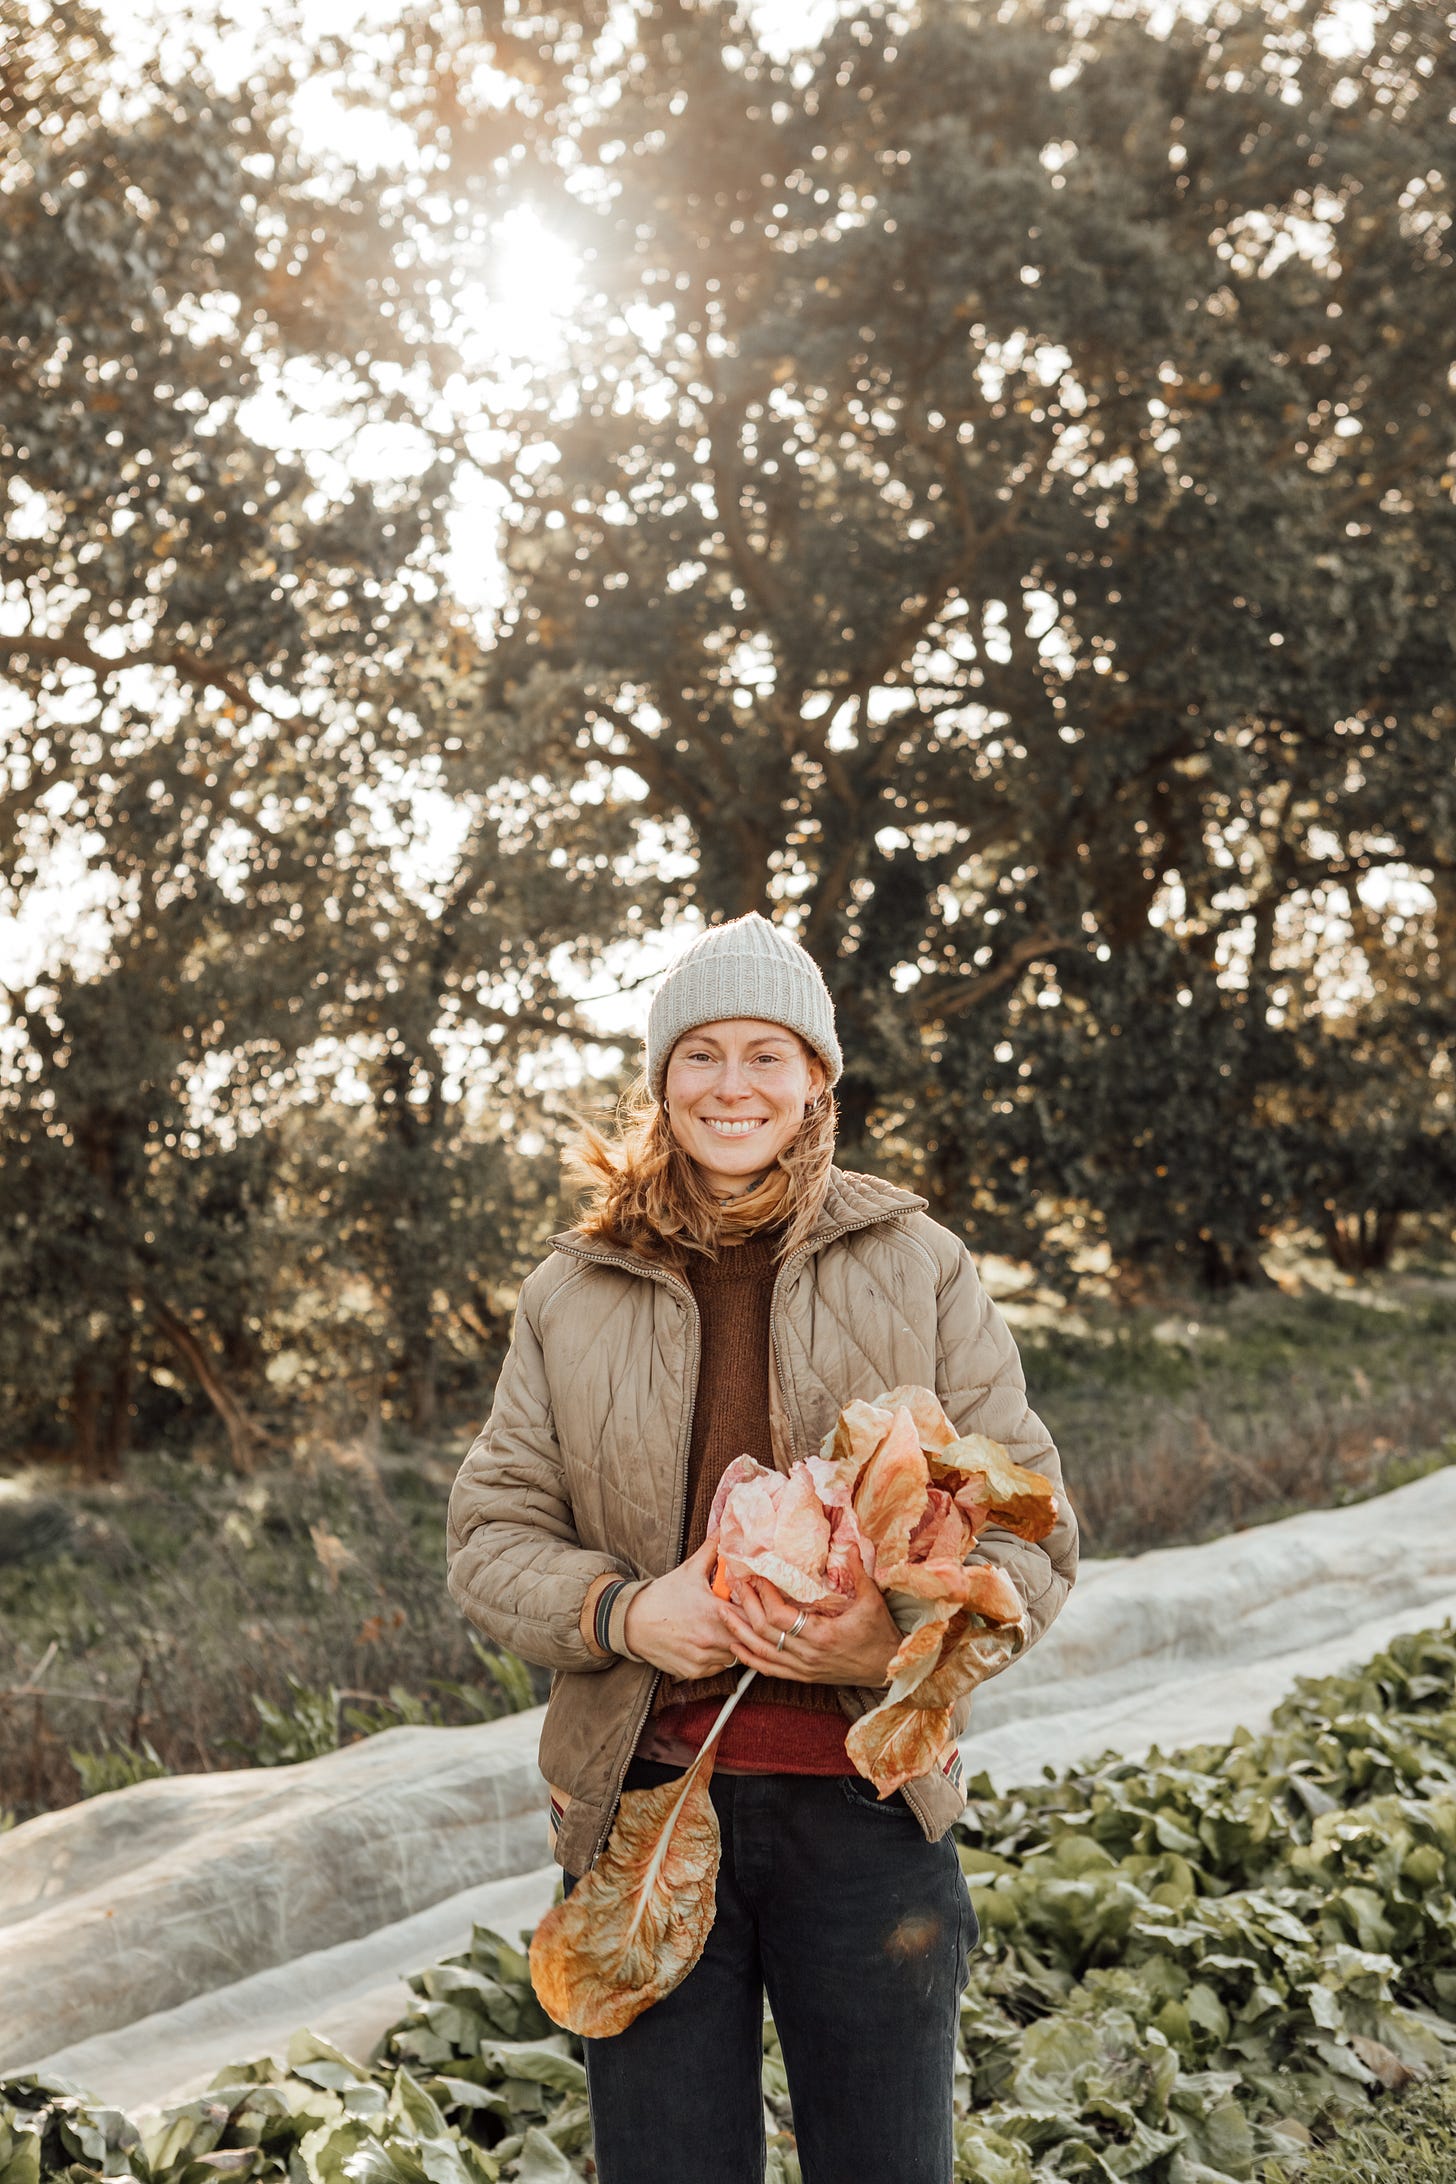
(601, 1621)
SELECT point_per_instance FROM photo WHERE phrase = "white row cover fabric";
(151, 1936)
(131, 1903)
(1185, 1644)
(351, 1994)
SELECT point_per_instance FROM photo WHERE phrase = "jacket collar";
(850, 1201)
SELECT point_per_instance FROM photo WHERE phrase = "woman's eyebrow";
(769, 1039)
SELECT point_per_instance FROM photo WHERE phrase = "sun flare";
(522, 304)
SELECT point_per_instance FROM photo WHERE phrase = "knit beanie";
(745, 968)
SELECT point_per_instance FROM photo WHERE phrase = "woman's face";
(736, 1093)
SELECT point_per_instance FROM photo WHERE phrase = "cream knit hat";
(745, 968)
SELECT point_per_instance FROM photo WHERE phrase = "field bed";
(1194, 1970)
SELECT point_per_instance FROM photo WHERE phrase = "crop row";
(1192, 1970)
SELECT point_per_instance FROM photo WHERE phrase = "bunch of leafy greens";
(1192, 1970)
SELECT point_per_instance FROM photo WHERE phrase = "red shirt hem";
(762, 1738)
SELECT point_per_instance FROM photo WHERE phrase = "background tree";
(229, 671)
(998, 506)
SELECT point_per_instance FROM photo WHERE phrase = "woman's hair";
(648, 1196)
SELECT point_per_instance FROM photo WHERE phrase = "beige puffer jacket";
(580, 1471)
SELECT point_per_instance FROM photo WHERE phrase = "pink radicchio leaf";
(943, 1533)
(845, 1539)
(741, 1468)
(772, 1525)
(834, 1486)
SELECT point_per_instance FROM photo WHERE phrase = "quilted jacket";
(580, 1471)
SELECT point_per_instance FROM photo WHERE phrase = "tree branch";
(192, 667)
(953, 996)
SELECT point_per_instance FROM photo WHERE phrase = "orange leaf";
(904, 1737)
(635, 1925)
(1022, 1501)
(893, 1743)
(978, 1585)
(893, 1492)
(853, 1438)
(925, 1407)
(970, 1657)
(919, 1650)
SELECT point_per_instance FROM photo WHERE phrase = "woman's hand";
(848, 1640)
(677, 1623)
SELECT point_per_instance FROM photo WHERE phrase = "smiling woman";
(736, 1095)
(726, 1291)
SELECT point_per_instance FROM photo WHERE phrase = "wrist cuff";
(603, 1619)
(587, 1620)
(616, 1615)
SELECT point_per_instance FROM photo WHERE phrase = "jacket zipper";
(667, 1281)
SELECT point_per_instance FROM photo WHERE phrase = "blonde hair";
(648, 1195)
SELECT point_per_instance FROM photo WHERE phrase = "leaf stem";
(722, 1721)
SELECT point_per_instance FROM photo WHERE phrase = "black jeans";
(860, 1931)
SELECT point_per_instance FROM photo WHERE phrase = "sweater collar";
(850, 1201)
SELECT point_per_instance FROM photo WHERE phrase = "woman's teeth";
(732, 1129)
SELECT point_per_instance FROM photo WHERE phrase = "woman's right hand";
(675, 1621)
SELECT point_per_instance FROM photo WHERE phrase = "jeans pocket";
(866, 1798)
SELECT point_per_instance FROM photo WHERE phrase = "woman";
(728, 1290)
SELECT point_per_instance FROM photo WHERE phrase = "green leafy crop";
(1194, 1969)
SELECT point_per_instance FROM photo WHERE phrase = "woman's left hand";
(847, 1640)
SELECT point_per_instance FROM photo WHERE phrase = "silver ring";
(783, 1634)
(798, 1623)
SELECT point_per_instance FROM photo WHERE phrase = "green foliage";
(1192, 1970)
(184, 1591)
(1238, 1937)
(1188, 1423)
(316, 1721)
(116, 1767)
(231, 672)
(305, 1728)
(980, 513)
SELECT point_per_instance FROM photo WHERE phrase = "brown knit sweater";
(730, 1418)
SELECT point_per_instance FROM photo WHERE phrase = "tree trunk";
(1360, 1243)
(100, 1408)
(85, 1409)
(245, 1436)
(421, 1381)
(1230, 1266)
(115, 1438)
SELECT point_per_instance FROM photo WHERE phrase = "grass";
(1410, 2139)
(192, 1621)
